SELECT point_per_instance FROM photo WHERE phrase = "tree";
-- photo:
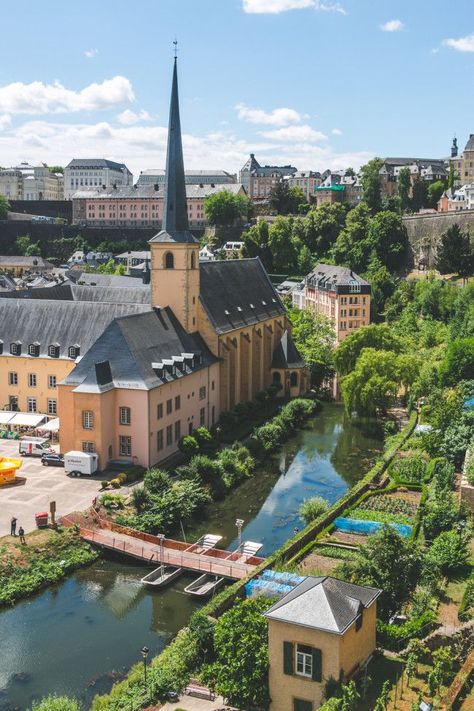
(353, 246)
(296, 199)
(280, 197)
(435, 190)
(282, 246)
(56, 169)
(225, 208)
(382, 700)
(411, 665)
(383, 285)
(314, 337)
(371, 191)
(256, 243)
(240, 672)
(389, 562)
(419, 197)
(56, 703)
(313, 508)
(380, 337)
(27, 247)
(458, 363)
(388, 239)
(455, 253)
(403, 188)
(4, 207)
(449, 551)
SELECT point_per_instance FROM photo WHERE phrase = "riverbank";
(47, 557)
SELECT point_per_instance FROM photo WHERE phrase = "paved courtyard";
(43, 484)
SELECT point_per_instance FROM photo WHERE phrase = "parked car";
(52, 459)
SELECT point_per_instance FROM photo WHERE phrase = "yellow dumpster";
(8, 469)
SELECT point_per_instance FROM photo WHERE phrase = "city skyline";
(316, 84)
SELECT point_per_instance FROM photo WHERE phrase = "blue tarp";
(284, 578)
(351, 525)
(266, 588)
(469, 403)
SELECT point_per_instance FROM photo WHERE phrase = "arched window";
(276, 377)
(193, 260)
(293, 380)
(169, 260)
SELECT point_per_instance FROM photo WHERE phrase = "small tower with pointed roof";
(175, 250)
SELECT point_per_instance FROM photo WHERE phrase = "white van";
(34, 446)
(79, 463)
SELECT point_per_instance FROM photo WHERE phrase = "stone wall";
(424, 232)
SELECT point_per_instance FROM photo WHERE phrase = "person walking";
(21, 533)
(13, 526)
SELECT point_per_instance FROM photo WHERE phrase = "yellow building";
(323, 629)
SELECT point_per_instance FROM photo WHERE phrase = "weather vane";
(175, 48)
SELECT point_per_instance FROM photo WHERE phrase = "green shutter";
(317, 665)
(287, 658)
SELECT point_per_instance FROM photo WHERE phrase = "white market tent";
(26, 419)
(51, 426)
(5, 417)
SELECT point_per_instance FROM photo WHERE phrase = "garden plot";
(324, 559)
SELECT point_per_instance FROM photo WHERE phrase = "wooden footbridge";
(197, 557)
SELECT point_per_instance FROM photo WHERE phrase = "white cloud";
(294, 133)
(392, 26)
(91, 53)
(277, 117)
(336, 132)
(274, 7)
(128, 118)
(141, 147)
(39, 98)
(462, 44)
(5, 120)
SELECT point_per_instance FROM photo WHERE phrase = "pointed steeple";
(175, 227)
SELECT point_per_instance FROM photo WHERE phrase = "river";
(78, 637)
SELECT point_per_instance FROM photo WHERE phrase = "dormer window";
(1, 347)
(15, 348)
(53, 350)
(73, 351)
(34, 349)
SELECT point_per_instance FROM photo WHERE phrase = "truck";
(79, 463)
(33, 446)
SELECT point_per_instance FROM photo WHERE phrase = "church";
(140, 368)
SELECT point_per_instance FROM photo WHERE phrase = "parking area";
(43, 484)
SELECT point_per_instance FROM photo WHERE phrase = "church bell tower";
(174, 250)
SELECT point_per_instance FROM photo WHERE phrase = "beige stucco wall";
(357, 646)
(177, 287)
(42, 368)
(283, 687)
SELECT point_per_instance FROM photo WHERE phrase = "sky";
(313, 83)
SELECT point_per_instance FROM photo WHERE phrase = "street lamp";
(239, 523)
(144, 652)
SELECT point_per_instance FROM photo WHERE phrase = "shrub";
(441, 513)
(449, 551)
(56, 703)
(139, 498)
(188, 445)
(112, 501)
(115, 483)
(157, 481)
(442, 473)
(395, 637)
(134, 473)
(205, 441)
(312, 508)
(411, 470)
(207, 472)
(467, 603)
(104, 484)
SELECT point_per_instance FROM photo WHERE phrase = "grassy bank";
(47, 557)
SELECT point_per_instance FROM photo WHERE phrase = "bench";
(200, 692)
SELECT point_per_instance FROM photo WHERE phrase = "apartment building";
(340, 294)
(307, 181)
(91, 174)
(259, 181)
(31, 182)
(155, 176)
(463, 164)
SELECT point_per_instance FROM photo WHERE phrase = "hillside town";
(236, 414)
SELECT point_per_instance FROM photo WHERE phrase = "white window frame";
(87, 420)
(125, 446)
(32, 380)
(125, 415)
(12, 378)
(31, 405)
(52, 382)
(303, 661)
(52, 406)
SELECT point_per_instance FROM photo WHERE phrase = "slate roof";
(30, 262)
(323, 603)
(56, 321)
(131, 345)
(470, 144)
(95, 163)
(72, 292)
(328, 274)
(286, 354)
(237, 293)
(113, 280)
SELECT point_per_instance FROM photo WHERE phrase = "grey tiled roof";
(29, 262)
(95, 163)
(339, 276)
(132, 344)
(114, 280)
(57, 321)
(237, 293)
(72, 292)
(286, 354)
(323, 603)
(470, 144)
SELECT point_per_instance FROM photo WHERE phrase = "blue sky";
(317, 83)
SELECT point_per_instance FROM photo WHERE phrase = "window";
(73, 351)
(177, 402)
(169, 435)
(213, 415)
(13, 403)
(88, 447)
(12, 378)
(213, 385)
(193, 260)
(302, 705)
(294, 379)
(304, 660)
(125, 416)
(159, 411)
(87, 420)
(169, 260)
(53, 350)
(202, 416)
(169, 406)
(177, 430)
(159, 440)
(359, 619)
(33, 350)
(125, 446)
(51, 382)
(52, 407)
(31, 404)
(32, 380)
(202, 392)
(15, 348)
